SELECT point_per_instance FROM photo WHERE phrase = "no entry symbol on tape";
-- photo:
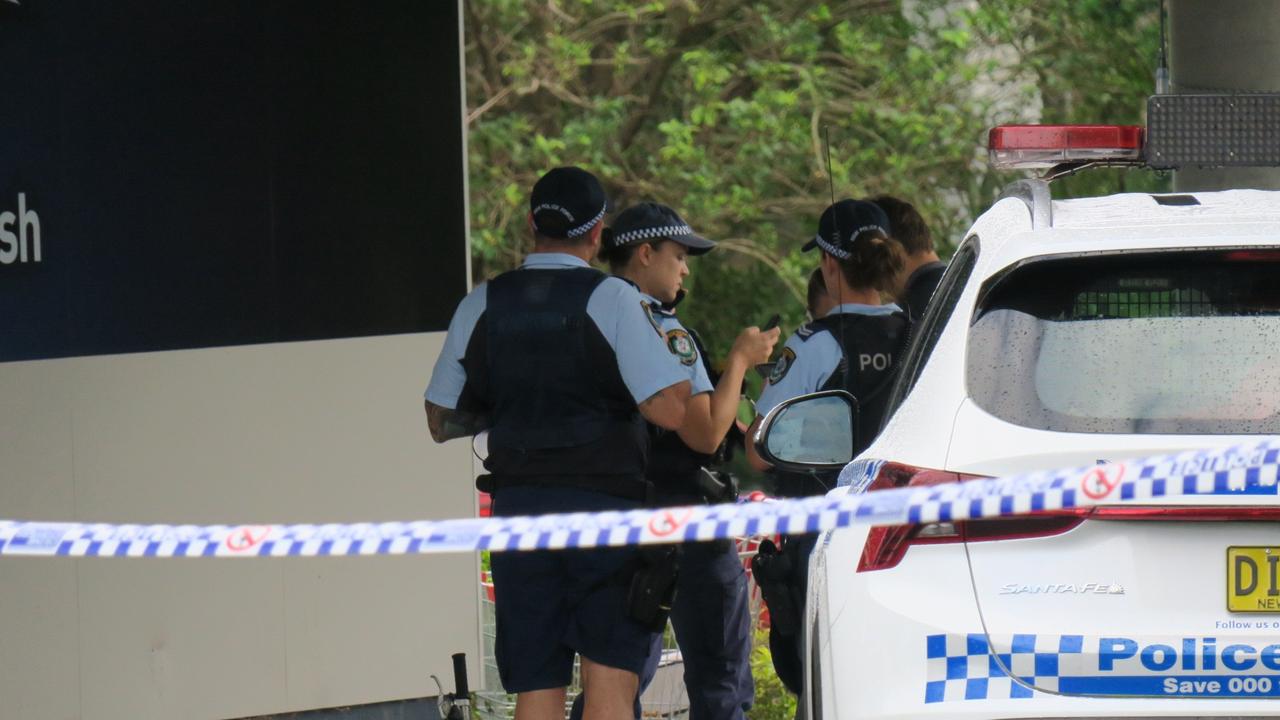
(1101, 481)
(247, 537)
(669, 521)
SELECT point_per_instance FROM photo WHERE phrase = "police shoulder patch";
(648, 312)
(781, 367)
(681, 345)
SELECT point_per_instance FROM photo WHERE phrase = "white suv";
(1070, 333)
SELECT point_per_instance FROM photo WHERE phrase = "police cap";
(566, 203)
(844, 223)
(650, 221)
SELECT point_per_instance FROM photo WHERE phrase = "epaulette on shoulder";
(619, 277)
(808, 330)
(660, 310)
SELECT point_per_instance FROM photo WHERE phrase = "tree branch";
(748, 248)
(488, 68)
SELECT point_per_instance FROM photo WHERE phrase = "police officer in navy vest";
(563, 365)
(648, 244)
(922, 269)
(855, 347)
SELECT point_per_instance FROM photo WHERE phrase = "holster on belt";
(772, 571)
(717, 487)
(653, 586)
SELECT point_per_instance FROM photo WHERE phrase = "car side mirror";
(480, 445)
(810, 432)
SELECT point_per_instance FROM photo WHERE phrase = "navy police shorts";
(552, 604)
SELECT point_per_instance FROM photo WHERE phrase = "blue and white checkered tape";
(1248, 471)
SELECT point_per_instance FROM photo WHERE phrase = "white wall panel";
(328, 431)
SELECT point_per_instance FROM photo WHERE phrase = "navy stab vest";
(673, 466)
(871, 347)
(557, 401)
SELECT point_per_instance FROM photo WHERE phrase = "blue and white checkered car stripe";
(962, 667)
(1000, 667)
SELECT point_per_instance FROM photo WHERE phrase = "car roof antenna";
(1162, 69)
(835, 224)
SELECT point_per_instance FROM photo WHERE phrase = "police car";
(1068, 333)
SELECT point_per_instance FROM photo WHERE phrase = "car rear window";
(1151, 342)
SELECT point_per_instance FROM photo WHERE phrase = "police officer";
(648, 244)
(853, 347)
(922, 269)
(563, 364)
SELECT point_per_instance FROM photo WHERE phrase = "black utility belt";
(694, 487)
(628, 487)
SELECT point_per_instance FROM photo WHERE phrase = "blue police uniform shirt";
(681, 344)
(615, 306)
(806, 364)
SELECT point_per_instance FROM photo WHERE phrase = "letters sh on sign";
(19, 234)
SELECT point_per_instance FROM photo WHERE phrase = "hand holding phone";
(764, 369)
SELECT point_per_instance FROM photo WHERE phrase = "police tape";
(1245, 472)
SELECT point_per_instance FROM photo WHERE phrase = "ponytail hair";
(875, 261)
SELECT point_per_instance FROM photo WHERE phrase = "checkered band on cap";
(831, 249)
(576, 231)
(650, 233)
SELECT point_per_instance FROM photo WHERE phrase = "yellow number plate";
(1253, 579)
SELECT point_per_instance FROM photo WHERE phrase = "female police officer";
(648, 245)
(561, 362)
(853, 347)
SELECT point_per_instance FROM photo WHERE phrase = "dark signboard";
(221, 172)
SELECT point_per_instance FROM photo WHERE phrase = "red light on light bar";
(1046, 137)
(1038, 146)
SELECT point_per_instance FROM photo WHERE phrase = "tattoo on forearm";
(447, 423)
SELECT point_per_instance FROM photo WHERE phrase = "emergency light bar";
(1014, 147)
(1222, 130)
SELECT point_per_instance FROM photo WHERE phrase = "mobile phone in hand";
(766, 369)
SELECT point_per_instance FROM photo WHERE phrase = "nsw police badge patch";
(781, 367)
(681, 345)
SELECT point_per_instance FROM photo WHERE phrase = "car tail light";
(1042, 146)
(886, 546)
(1184, 513)
(1268, 255)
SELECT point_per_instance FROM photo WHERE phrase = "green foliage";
(720, 108)
(773, 701)
(1092, 61)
